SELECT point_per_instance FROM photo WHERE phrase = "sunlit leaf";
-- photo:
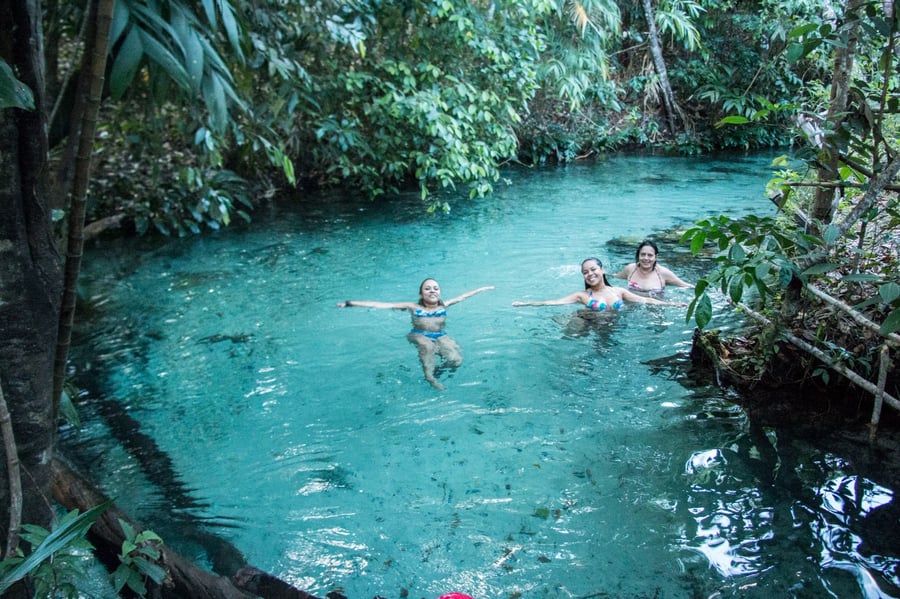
(733, 120)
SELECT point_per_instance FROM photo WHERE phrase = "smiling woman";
(428, 318)
(645, 275)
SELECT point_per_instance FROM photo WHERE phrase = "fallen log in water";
(184, 578)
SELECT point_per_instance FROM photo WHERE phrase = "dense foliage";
(212, 105)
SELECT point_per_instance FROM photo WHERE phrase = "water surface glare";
(231, 400)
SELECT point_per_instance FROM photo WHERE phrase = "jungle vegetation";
(174, 117)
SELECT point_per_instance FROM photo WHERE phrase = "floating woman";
(429, 315)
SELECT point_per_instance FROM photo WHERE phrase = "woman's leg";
(450, 351)
(427, 355)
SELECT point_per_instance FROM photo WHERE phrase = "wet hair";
(422, 285)
(642, 245)
(600, 264)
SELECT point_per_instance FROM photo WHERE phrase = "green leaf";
(891, 324)
(195, 61)
(736, 253)
(126, 63)
(832, 234)
(733, 120)
(71, 527)
(802, 30)
(68, 411)
(794, 52)
(164, 58)
(153, 571)
(209, 7)
(214, 96)
(818, 269)
(231, 27)
(736, 288)
(13, 93)
(861, 278)
(703, 311)
(697, 242)
(889, 292)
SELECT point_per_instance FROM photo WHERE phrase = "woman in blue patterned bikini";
(429, 315)
(598, 293)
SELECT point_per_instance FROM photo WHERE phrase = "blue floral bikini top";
(420, 313)
(597, 305)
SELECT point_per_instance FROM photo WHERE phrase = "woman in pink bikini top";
(645, 275)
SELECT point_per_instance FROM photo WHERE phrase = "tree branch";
(15, 478)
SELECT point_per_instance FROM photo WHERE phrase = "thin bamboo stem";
(879, 397)
(15, 478)
(892, 339)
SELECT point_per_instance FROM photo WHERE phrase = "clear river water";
(233, 408)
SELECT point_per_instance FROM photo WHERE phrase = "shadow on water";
(178, 503)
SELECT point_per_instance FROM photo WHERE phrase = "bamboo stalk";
(835, 185)
(879, 397)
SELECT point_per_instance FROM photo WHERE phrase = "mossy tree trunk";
(30, 278)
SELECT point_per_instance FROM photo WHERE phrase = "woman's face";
(430, 291)
(592, 272)
(647, 256)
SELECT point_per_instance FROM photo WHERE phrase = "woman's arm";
(574, 298)
(626, 271)
(370, 304)
(670, 278)
(640, 299)
(466, 295)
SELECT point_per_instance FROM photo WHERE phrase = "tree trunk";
(30, 280)
(825, 202)
(659, 63)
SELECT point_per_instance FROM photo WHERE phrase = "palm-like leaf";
(72, 527)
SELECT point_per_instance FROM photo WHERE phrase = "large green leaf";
(121, 19)
(214, 96)
(891, 324)
(13, 93)
(195, 60)
(703, 311)
(71, 527)
(126, 63)
(232, 30)
(889, 292)
(162, 56)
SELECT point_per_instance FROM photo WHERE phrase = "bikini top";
(635, 286)
(422, 313)
(597, 305)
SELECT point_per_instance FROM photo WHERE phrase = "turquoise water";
(228, 398)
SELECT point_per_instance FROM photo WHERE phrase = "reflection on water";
(236, 410)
